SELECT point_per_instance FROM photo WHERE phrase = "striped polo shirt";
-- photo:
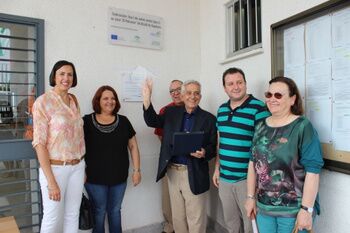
(236, 130)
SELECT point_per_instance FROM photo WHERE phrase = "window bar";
(36, 67)
(248, 23)
(232, 28)
(17, 83)
(240, 25)
(228, 46)
(17, 60)
(10, 94)
(256, 23)
(18, 37)
(17, 72)
(18, 49)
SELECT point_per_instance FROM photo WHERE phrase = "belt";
(179, 167)
(67, 162)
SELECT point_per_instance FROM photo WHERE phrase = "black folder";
(187, 142)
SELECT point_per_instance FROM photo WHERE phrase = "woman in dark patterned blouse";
(283, 174)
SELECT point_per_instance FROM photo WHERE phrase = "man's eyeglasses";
(173, 91)
(277, 95)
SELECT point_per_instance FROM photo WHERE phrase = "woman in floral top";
(59, 143)
(283, 174)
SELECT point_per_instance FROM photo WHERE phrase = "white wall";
(334, 187)
(76, 30)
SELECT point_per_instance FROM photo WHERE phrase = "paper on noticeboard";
(294, 46)
(341, 126)
(318, 112)
(318, 39)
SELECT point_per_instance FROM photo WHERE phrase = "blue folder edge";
(187, 142)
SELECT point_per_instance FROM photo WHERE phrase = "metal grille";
(21, 80)
(20, 193)
(243, 25)
(17, 78)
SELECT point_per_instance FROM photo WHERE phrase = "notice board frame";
(336, 160)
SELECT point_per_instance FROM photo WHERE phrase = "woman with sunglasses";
(283, 174)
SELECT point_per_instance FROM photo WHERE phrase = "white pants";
(63, 216)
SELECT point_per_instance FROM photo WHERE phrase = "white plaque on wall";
(135, 29)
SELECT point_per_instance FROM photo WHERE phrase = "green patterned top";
(282, 156)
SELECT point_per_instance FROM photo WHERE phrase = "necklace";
(105, 128)
(279, 122)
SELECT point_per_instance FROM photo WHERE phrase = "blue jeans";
(271, 224)
(108, 199)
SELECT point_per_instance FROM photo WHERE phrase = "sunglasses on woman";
(277, 95)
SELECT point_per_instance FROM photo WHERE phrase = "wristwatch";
(308, 209)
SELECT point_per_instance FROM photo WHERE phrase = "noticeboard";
(313, 49)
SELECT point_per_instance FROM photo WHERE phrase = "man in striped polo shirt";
(235, 121)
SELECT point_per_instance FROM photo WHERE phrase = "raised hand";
(147, 92)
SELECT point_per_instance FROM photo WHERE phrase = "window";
(243, 26)
(21, 81)
(20, 66)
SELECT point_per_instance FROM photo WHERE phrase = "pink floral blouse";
(58, 127)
